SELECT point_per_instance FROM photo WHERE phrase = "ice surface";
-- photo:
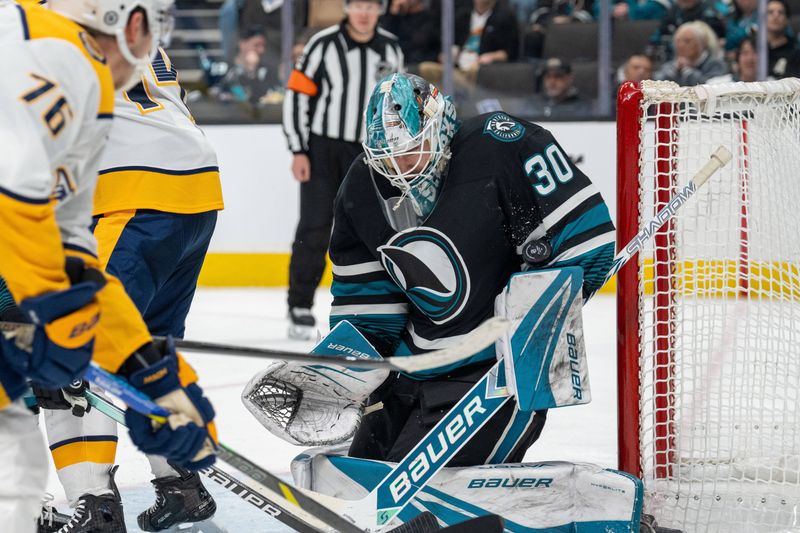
(257, 317)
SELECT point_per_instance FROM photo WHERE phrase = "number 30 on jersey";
(549, 169)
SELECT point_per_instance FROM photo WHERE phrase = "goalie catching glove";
(189, 438)
(316, 405)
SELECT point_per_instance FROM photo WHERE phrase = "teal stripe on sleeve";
(596, 216)
(371, 288)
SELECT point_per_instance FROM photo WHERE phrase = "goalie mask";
(410, 126)
(110, 17)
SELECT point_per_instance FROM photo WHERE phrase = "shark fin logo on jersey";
(503, 128)
(431, 271)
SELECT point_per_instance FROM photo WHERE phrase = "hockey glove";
(65, 322)
(189, 438)
(67, 398)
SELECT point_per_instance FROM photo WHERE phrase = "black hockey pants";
(330, 160)
(412, 407)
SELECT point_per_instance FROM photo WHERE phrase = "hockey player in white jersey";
(155, 209)
(60, 68)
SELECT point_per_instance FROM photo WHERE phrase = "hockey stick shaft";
(476, 340)
(718, 159)
(267, 503)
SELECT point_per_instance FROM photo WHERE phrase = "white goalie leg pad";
(553, 495)
(315, 405)
(24, 466)
(544, 352)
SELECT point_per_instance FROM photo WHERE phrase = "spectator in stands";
(784, 60)
(550, 12)
(250, 79)
(486, 34)
(638, 67)
(416, 27)
(684, 11)
(237, 16)
(696, 56)
(746, 66)
(559, 97)
(743, 19)
(635, 9)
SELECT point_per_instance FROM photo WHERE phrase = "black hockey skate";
(93, 514)
(179, 499)
(50, 521)
(648, 525)
(302, 325)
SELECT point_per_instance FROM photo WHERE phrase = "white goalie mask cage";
(409, 128)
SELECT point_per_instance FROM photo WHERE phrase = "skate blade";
(204, 526)
(302, 333)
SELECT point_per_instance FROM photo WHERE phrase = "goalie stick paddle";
(474, 341)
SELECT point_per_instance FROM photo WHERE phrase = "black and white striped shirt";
(332, 82)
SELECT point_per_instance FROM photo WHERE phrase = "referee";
(324, 125)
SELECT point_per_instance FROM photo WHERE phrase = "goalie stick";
(474, 341)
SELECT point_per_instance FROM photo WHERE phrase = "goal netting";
(709, 317)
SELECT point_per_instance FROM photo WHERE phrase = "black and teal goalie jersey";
(422, 288)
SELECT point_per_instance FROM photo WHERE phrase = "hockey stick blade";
(301, 519)
(286, 491)
(424, 522)
(491, 523)
(473, 342)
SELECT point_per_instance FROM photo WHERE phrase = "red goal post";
(708, 315)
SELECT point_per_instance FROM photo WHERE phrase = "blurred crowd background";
(537, 59)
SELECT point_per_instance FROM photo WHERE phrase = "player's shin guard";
(23, 469)
(83, 450)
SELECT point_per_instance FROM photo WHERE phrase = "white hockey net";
(719, 309)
